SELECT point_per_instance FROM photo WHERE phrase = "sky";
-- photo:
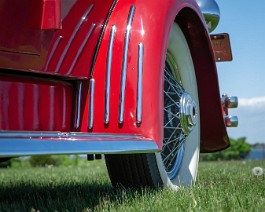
(244, 77)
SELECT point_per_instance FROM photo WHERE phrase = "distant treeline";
(238, 150)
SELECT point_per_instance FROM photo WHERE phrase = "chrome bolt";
(231, 121)
(229, 101)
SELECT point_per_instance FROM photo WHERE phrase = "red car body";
(54, 58)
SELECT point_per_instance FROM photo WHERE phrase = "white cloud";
(252, 102)
(251, 119)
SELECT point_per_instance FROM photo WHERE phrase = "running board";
(17, 143)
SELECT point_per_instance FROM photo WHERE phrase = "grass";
(221, 186)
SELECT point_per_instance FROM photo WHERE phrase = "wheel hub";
(188, 113)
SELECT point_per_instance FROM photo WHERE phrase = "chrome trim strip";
(124, 63)
(68, 135)
(58, 40)
(108, 73)
(82, 19)
(102, 35)
(78, 105)
(91, 105)
(80, 49)
(140, 83)
(31, 134)
(16, 143)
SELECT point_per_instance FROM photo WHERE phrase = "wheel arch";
(213, 131)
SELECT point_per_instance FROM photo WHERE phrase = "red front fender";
(213, 131)
(149, 26)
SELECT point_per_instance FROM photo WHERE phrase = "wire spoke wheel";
(174, 137)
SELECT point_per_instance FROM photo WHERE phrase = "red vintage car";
(133, 80)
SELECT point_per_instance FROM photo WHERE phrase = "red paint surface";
(35, 105)
(151, 26)
(45, 14)
(25, 48)
(152, 30)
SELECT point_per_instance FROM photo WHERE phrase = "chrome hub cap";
(188, 113)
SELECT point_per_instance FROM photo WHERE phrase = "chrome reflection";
(91, 104)
(211, 13)
(109, 62)
(188, 113)
(55, 45)
(37, 143)
(140, 83)
(231, 121)
(78, 105)
(124, 63)
(229, 102)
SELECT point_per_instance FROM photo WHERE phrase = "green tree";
(239, 149)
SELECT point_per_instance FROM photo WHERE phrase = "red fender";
(213, 131)
(49, 52)
(150, 26)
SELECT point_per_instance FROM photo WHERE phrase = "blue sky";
(245, 76)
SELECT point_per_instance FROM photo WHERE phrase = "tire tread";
(133, 170)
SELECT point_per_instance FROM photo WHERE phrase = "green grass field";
(221, 186)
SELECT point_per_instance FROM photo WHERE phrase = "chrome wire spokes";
(174, 137)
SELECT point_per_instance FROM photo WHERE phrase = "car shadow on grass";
(72, 197)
